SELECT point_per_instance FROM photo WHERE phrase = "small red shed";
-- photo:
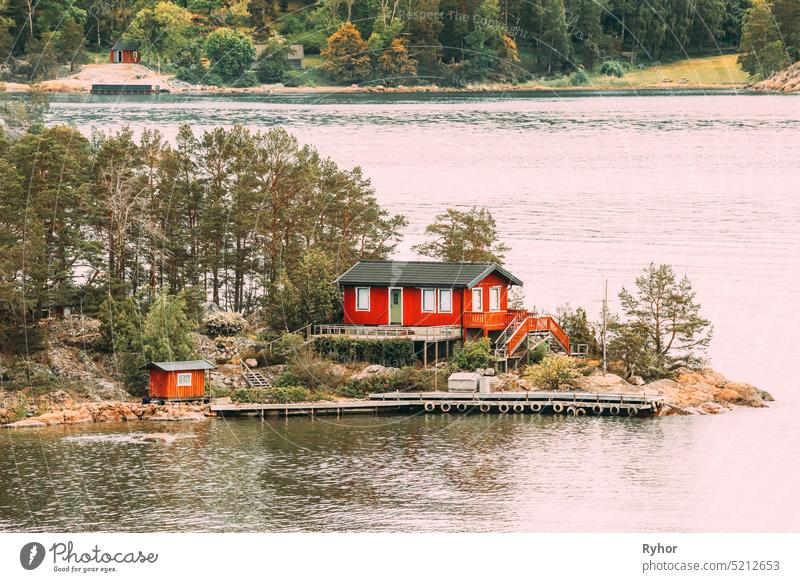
(124, 52)
(178, 380)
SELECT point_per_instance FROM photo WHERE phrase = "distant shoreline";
(675, 88)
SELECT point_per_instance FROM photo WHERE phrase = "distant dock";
(568, 403)
(125, 89)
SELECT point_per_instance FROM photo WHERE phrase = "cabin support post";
(436, 353)
(425, 354)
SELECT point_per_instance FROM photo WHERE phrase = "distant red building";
(124, 52)
(178, 380)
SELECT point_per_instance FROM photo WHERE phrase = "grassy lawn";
(719, 70)
(716, 70)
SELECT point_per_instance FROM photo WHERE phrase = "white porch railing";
(434, 333)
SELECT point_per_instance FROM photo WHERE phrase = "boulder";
(251, 362)
(26, 423)
(637, 381)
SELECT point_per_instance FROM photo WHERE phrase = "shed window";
(445, 301)
(362, 298)
(477, 299)
(429, 300)
(494, 299)
(184, 380)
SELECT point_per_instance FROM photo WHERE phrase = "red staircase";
(523, 323)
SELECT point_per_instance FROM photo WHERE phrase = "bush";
(475, 354)
(225, 323)
(579, 78)
(281, 349)
(391, 352)
(231, 52)
(197, 75)
(218, 391)
(281, 395)
(406, 379)
(312, 371)
(552, 372)
(292, 78)
(248, 79)
(539, 353)
(613, 68)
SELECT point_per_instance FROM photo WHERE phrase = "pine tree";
(464, 236)
(167, 331)
(763, 48)
(664, 311)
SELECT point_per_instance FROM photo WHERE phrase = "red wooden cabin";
(470, 299)
(124, 52)
(178, 380)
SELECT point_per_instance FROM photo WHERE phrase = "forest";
(254, 222)
(446, 42)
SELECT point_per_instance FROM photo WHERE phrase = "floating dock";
(125, 89)
(569, 402)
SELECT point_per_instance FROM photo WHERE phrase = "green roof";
(184, 366)
(421, 274)
(124, 45)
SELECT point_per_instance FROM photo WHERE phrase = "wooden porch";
(421, 334)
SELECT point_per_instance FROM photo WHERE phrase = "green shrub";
(538, 353)
(292, 78)
(391, 352)
(407, 379)
(475, 354)
(218, 391)
(21, 408)
(579, 78)
(310, 370)
(248, 79)
(226, 323)
(613, 68)
(552, 372)
(280, 395)
(231, 53)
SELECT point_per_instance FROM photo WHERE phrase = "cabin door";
(395, 306)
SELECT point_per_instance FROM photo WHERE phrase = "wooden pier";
(569, 403)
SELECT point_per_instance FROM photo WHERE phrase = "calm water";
(581, 187)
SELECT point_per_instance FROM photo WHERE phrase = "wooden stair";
(540, 329)
(254, 378)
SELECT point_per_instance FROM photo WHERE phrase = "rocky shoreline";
(70, 412)
(786, 81)
(691, 392)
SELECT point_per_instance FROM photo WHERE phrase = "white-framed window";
(494, 298)
(429, 300)
(362, 298)
(477, 299)
(135, 56)
(184, 380)
(445, 300)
